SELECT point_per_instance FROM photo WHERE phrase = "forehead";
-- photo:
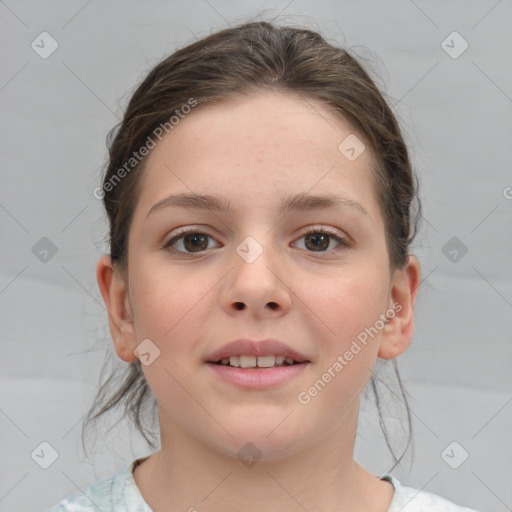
(256, 147)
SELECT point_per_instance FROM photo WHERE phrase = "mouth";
(266, 361)
(257, 372)
(257, 364)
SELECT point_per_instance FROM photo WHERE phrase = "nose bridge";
(257, 254)
(256, 235)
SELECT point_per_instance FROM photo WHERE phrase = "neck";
(186, 474)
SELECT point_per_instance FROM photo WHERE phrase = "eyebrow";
(298, 201)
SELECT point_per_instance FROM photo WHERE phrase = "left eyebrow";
(298, 201)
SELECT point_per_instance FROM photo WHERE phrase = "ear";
(397, 334)
(113, 287)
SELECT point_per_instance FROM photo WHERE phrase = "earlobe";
(113, 289)
(398, 332)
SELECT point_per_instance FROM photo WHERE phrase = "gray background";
(456, 113)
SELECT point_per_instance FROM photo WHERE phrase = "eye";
(190, 239)
(319, 239)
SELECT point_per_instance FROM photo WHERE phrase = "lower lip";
(255, 378)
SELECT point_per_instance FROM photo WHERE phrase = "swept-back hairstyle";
(230, 63)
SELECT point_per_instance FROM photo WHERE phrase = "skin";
(256, 151)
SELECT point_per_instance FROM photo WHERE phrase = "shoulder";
(103, 495)
(408, 499)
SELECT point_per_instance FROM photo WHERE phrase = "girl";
(259, 194)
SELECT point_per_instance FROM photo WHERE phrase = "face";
(256, 273)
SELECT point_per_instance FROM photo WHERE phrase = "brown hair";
(239, 61)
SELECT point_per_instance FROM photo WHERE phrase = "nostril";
(241, 305)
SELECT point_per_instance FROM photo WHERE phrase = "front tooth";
(266, 361)
(233, 361)
(248, 361)
(280, 359)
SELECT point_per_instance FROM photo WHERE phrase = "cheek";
(167, 302)
(170, 307)
(171, 310)
(346, 306)
(349, 307)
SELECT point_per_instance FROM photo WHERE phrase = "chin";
(265, 443)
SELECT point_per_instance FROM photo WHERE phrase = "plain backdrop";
(445, 69)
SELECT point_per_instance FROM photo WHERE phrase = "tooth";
(266, 361)
(289, 360)
(233, 361)
(224, 360)
(279, 359)
(247, 361)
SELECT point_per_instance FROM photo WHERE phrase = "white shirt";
(119, 493)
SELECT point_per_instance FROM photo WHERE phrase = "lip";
(247, 347)
(257, 378)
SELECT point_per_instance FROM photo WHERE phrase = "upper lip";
(247, 347)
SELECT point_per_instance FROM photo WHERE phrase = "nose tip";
(254, 282)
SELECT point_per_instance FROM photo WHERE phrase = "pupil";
(195, 237)
(316, 236)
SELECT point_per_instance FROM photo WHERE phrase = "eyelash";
(343, 243)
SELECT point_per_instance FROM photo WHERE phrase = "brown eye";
(319, 240)
(189, 241)
(195, 242)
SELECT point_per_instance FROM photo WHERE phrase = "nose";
(257, 283)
